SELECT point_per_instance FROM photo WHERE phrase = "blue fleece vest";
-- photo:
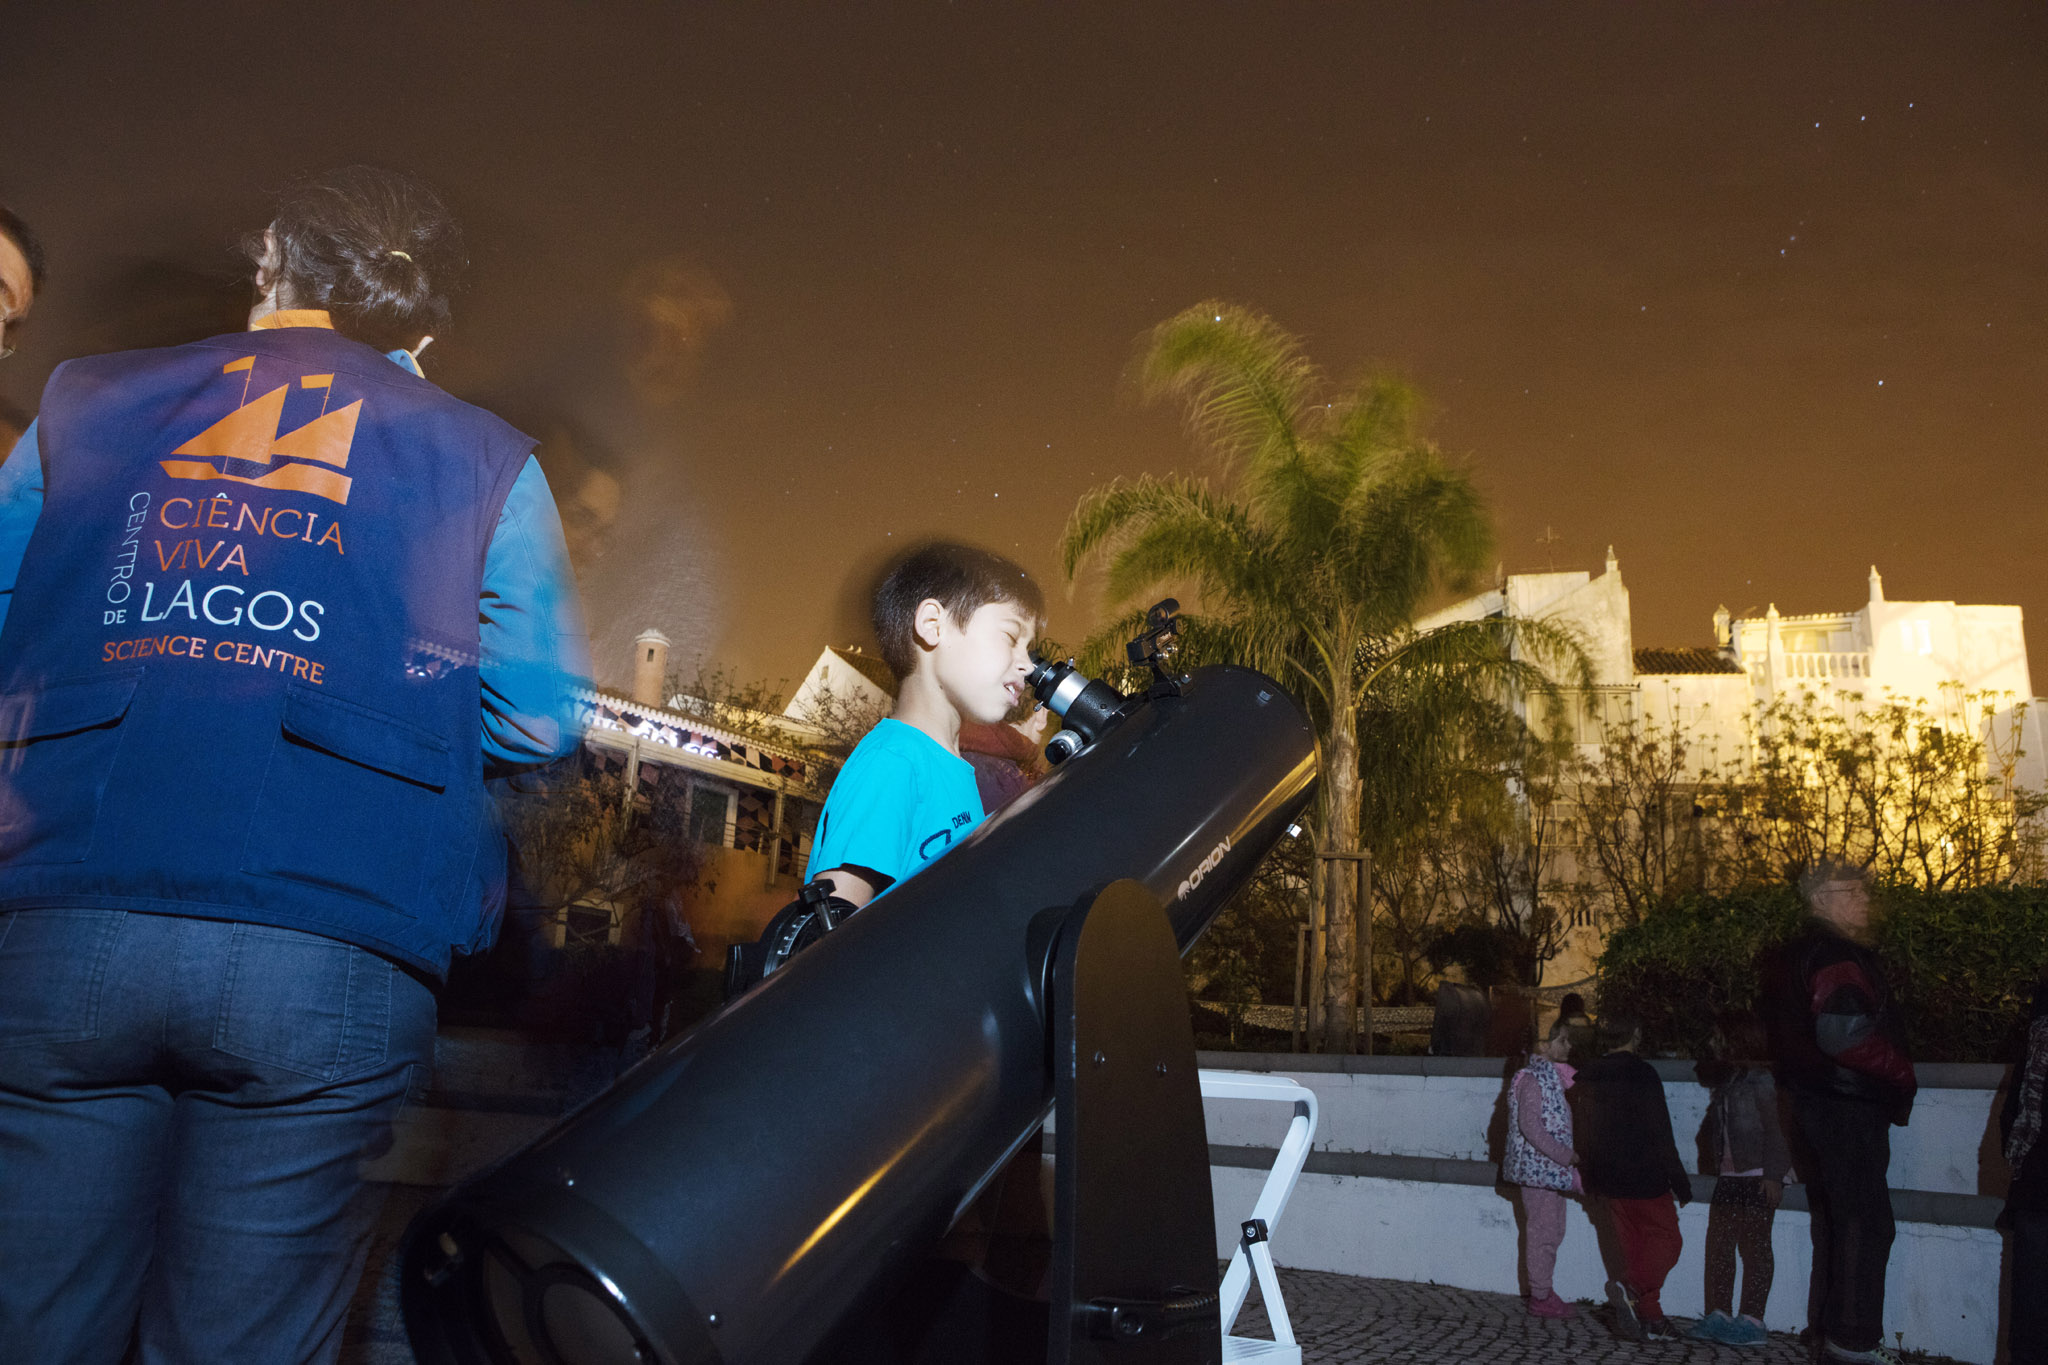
(239, 678)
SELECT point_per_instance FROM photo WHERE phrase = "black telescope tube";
(742, 1190)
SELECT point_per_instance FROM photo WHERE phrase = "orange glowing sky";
(1759, 295)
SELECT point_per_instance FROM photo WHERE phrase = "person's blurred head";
(21, 273)
(1572, 1006)
(1620, 1032)
(376, 249)
(1838, 891)
(1742, 1037)
(1558, 1045)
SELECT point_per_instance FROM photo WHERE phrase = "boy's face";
(979, 664)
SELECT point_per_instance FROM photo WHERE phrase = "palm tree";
(1338, 522)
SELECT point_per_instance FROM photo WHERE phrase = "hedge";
(1962, 962)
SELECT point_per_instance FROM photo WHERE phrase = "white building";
(1967, 663)
(843, 682)
(1937, 652)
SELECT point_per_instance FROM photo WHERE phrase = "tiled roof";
(1691, 659)
(869, 667)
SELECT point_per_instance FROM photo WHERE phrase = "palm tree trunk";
(1340, 833)
(1318, 910)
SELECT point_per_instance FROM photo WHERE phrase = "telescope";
(765, 1189)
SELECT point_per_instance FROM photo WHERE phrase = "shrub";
(1688, 960)
(1962, 963)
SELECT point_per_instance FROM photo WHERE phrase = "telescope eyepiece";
(1088, 706)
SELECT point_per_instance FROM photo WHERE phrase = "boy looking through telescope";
(955, 624)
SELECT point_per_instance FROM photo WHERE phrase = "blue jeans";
(185, 1107)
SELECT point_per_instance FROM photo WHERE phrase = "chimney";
(1724, 632)
(650, 666)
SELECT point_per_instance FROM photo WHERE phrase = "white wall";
(1943, 1283)
(1941, 1289)
(1947, 1148)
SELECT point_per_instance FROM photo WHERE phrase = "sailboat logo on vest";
(244, 445)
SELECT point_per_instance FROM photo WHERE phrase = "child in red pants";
(1630, 1161)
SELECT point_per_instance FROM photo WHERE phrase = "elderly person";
(1839, 1046)
(287, 604)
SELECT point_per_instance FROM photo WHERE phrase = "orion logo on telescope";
(1208, 865)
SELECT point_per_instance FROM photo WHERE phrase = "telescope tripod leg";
(1134, 1278)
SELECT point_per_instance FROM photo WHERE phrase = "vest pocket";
(57, 748)
(351, 801)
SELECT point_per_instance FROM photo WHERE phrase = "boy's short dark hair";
(1618, 1030)
(961, 578)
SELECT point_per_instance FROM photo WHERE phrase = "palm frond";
(1382, 413)
(1421, 527)
(1104, 514)
(1214, 549)
(1506, 658)
(1243, 383)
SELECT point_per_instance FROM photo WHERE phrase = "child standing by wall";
(1744, 1143)
(1631, 1163)
(1541, 1161)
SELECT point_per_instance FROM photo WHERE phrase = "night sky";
(1757, 294)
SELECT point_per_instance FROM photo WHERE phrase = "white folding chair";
(1254, 1255)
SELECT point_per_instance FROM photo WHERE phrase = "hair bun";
(334, 235)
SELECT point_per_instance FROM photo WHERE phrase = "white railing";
(1834, 667)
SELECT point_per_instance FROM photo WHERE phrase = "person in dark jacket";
(1745, 1150)
(2020, 1124)
(1630, 1162)
(1007, 758)
(1839, 1047)
(281, 609)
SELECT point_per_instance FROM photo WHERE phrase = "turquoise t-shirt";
(900, 802)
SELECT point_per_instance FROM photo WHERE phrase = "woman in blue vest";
(274, 608)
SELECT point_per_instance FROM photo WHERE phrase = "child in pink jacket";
(1541, 1161)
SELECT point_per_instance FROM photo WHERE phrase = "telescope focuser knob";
(1063, 746)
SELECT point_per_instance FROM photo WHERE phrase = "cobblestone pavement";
(1345, 1320)
(1338, 1319)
